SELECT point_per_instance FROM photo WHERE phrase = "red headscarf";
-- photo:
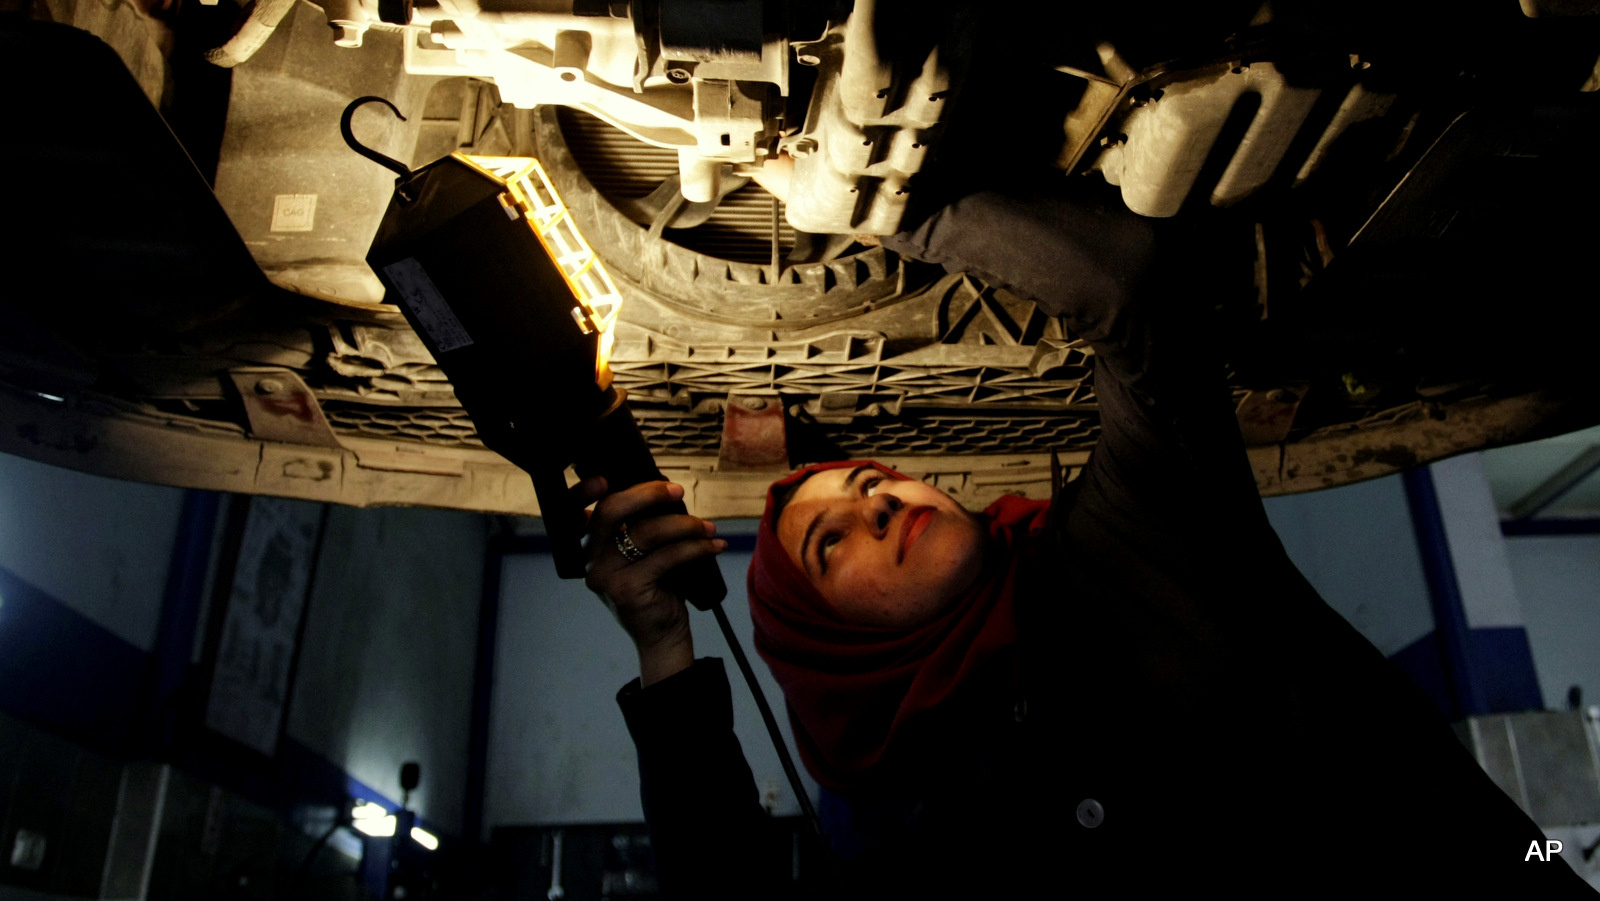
(853, 690)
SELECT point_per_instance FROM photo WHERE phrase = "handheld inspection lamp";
(518, 311)
(515, 307)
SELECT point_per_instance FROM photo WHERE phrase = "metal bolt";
(269, 386)
(1143, 97)
(348, 34)
(808, 59)
(677, 75)
(1282, 396)
(755, 403)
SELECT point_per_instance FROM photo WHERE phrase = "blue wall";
(1558, 583)
(102, 588)
(1417, 564)
(386, 664)
(1356, 545)
(99, 545)
(559, 751)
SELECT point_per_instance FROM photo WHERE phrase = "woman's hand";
(656, 619)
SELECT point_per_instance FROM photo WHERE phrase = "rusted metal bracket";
(754, 436)
(281, 408)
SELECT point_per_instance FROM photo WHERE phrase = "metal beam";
(1523, 528)
(1551, 490)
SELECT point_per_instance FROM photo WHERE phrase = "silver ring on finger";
(626, 546)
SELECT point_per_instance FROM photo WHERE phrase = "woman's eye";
(824, 548)
(868, 485)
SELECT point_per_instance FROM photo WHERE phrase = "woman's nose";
(881, 510)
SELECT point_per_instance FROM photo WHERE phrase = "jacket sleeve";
(707, 826)
(1137, 292)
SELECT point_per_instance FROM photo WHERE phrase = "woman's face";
(884, 552)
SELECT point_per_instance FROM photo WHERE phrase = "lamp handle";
(617, 450)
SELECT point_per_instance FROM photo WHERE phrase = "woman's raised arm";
(1138, 291)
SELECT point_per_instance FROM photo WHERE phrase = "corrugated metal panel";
(671, 432)
(619, 166)
(622, 167)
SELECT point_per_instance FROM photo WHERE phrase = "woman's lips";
(916, 522)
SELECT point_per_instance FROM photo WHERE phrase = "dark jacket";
(1190, 712)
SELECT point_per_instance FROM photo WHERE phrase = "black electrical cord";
(772, 725)
(305, 865)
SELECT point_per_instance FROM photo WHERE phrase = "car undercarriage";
(1403, 197)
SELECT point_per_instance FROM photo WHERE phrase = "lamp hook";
(384, 161)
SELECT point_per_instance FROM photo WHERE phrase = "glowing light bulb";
(530, 194)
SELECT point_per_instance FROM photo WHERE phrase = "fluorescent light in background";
(373, 819)
(377, 827)
(378, 822)
(52, 397)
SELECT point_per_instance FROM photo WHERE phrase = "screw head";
(677, 75)
(269, 386)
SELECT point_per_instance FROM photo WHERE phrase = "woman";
(1129, 689)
